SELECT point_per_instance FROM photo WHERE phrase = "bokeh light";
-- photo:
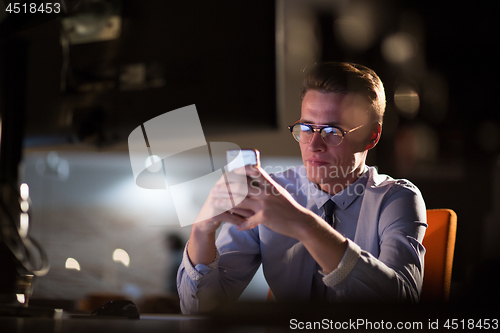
(407, 100)
(72, 264)
(399, 48)
(357, 26)
(24, 190)
(120, 255)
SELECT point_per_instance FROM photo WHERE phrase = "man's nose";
(317, 143)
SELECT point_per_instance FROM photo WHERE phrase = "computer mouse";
(118, 308)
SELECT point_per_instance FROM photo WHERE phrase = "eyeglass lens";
(304, 133)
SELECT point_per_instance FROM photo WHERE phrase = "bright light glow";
(25, 206)
(407, 100)
(24, 222)
(156, 207)
(151, 164)
(24, 190)
(72, 264)
(120, 255)
(20, 298)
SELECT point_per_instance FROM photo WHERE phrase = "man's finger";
(223, 204)
(232, 218)
(248, 224)
(223, 190)
(248, 170)
(246, 213)
(231, 177)
(246, 203)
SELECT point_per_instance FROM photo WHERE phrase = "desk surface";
(97, 325)
(260, 317)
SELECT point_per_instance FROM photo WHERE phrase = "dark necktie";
(328, 207)
(318, 289)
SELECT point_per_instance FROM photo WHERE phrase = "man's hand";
(269, 204)
(275, 208)
(218, 208)
(258, 199)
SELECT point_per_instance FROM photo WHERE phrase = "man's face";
(335, 167)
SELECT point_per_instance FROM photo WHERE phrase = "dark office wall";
(219, 55)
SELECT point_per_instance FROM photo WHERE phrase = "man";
(369, 250)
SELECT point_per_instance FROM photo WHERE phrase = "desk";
(270, 318)
(153, 324)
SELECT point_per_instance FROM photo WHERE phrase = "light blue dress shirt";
(384, 220)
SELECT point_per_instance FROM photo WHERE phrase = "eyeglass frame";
(314, 130)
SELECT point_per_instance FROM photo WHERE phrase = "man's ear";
(375, 136)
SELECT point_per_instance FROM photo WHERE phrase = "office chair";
(439, 242)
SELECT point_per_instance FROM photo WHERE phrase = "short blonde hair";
(344, 77)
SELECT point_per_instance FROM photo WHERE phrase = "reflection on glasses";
(331, 135)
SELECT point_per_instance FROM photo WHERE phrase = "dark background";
(227, 49)
(218, 55)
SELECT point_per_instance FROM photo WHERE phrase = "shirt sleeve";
(195, 273)
(345, 267)
(202, 288)
(188, 280)
(397, 273)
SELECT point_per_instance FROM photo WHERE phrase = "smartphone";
(237, 158)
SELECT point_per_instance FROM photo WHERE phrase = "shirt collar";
(344, 198)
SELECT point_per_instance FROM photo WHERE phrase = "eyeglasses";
(331, 135)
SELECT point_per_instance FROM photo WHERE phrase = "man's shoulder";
(386, 183)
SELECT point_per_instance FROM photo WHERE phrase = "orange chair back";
(439, 242)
